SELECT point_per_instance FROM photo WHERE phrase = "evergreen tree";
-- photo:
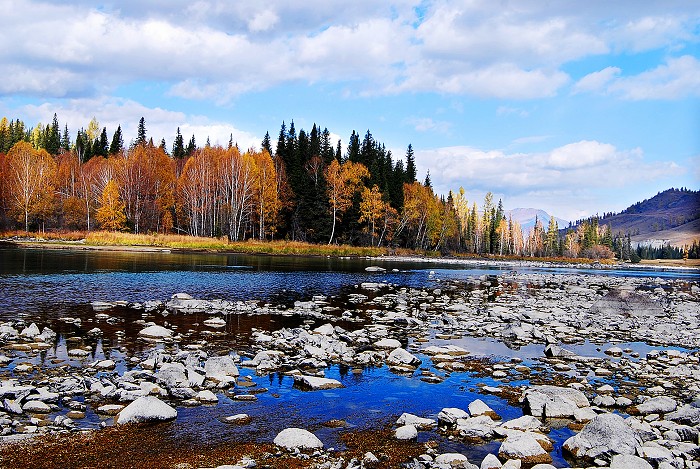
(117, 142)
(102, 147)
(266, 145)
(354, 148)
(281, 149)
(163, 146)
(178, 145)
(65, 139)
(141, 134)
(191, 147)
(410, 165)
(52, 142)
(428, 183)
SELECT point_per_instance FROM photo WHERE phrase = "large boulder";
(146, 409)
(554, 401)
(604, 436)
(297, 438)
(449, 416)
(656, 405)
(406, 432)
(416, 421)
(455, 460)
(525, 448)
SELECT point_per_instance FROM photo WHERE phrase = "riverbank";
(113, 241)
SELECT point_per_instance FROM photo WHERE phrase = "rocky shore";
(628, 409)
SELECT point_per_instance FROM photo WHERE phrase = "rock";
(110, 409)
(449, 415)
(297, 438)
(479, 407)
(172, 375)
(374, 268)
(316, 383)
(454, 460)
(389, 344)
(105, 365)
(418, 422)
(656, 405)
(525, 448)
(406, 432)
(554, 401)
(476, 427)
(555, 351)
(156, 332)
(146, 409)
(629, 461)
(605, 435)
(36, 407)
(614, 352)
(401, 357)
(30, 332)
(207, 396)
(238, 419)
(491, 462)
(687, 415)
(326, 329)
(221, 369)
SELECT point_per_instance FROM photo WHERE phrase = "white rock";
(207, 396)
(156, 332)
(401, 357)
(297, 438)
(525, 448)
(221, 368)
(406, 432)
(389, 344)
(491, 462)
(316, 383)
(479, 407)
(36, 407)
(31, 331)
(629, 461)
(418, 422)
(449, 415)
(606, 433)
(146, 409)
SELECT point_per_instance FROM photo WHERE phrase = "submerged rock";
(315, 383)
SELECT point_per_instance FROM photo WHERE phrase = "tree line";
(306, 188)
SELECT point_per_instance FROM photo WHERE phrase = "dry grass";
(152, 446)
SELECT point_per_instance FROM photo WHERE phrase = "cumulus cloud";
(216, 50)
(583, 168)
(160, 123)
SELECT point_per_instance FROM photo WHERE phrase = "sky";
(573, 107)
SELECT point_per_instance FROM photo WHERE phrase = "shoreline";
(657, 264)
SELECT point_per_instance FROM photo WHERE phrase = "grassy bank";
(193, 243)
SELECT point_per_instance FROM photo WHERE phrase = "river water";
(55, 287)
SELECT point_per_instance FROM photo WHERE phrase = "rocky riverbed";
(612, 364)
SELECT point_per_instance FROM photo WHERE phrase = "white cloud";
(596, 81)
(678, 78)
(216, 50)
(160, 123)
(585, 169)
(427, 124)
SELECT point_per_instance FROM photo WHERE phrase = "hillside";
(672, 216)
(526, 217)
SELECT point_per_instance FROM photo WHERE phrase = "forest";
(306, 188)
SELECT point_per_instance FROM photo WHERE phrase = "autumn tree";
(30, 174)
(343, 181)
(111, 214)
(372, 208)
(265, 195)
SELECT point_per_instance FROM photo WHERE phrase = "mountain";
(526, 218)
(671, 216)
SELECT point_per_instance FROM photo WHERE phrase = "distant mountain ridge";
(671, 216)
(527, 217)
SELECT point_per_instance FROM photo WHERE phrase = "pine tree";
(191, 147)
(354, 148)
(266, 145)
(428, 183)
(163, 146)
(410, 165)
(103, 144)
(52, 141)
(141, 134)
(178, 145)
(65, 139)
(117, 142)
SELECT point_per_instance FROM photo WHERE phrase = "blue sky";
(573, 107)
